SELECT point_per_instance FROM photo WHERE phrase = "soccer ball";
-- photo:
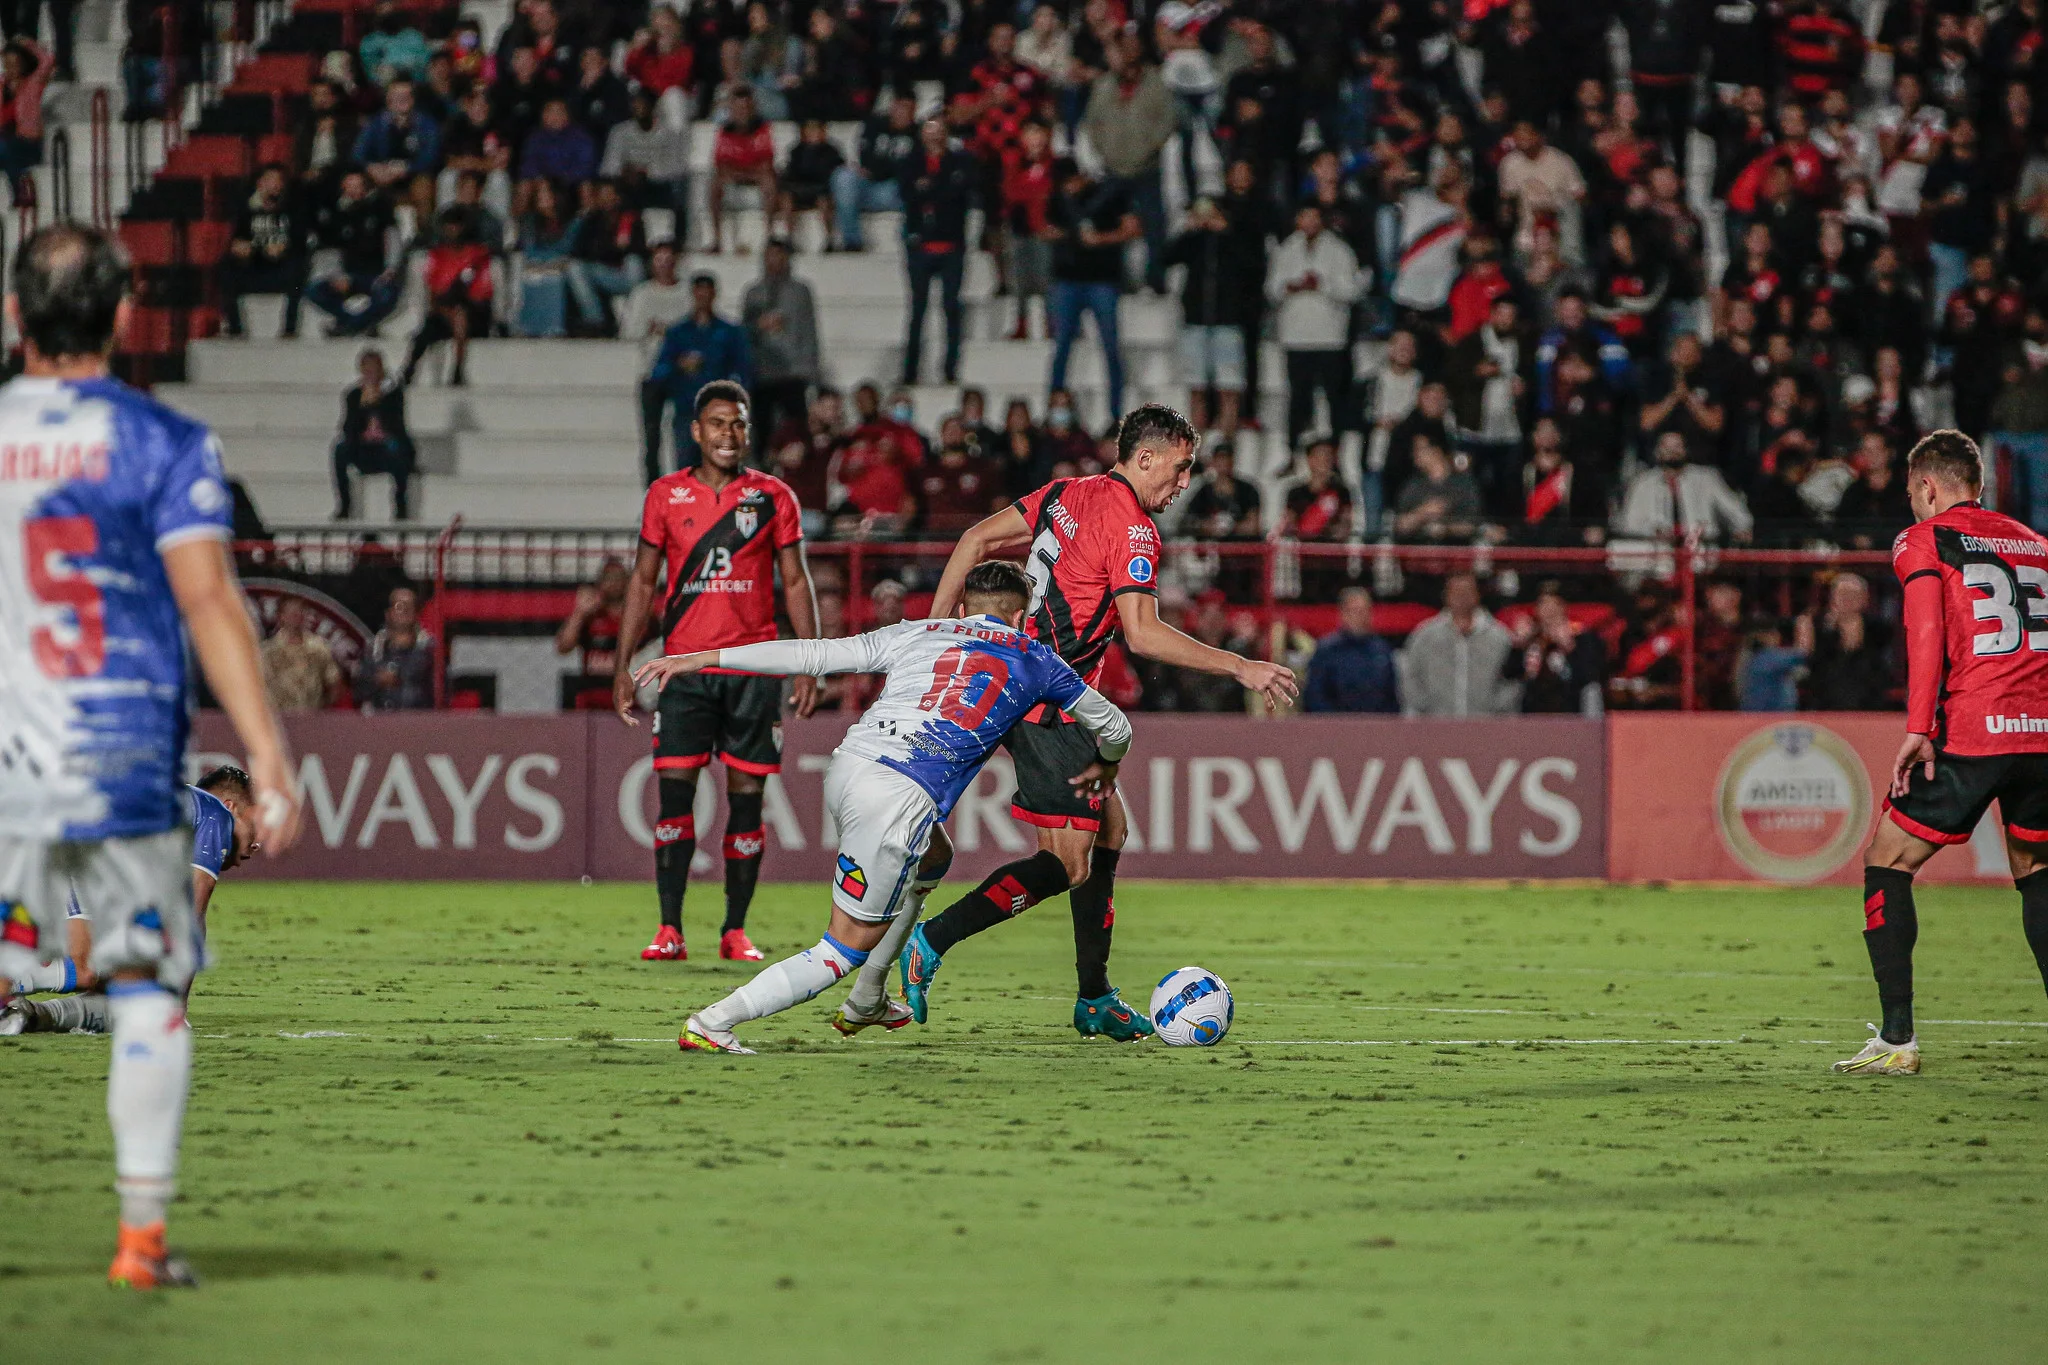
(1191, 1008)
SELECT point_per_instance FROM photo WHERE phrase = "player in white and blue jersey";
(113, 531)
(222, 811)
(953, 689)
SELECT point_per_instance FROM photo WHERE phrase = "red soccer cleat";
(140, 1262)
(735, 946)
(667, 947)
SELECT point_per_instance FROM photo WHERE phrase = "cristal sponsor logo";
(1793, 802)
(2001, 545)
(1142, 539)
(2021, 724)
(1064, 519)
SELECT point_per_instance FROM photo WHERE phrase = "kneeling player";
(954, 688)
(222, 811)
(1976, 621)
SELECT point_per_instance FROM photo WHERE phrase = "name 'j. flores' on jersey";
(953, 690)
(96, 482)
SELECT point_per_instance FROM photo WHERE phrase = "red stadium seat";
(290, 72)
(150, 242)
(207, 155)
(207, 242)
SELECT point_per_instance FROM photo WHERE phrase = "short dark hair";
(1154, 422)
(1949, 455)
(722, 390)
(227, 777)
(68, 282)
(997, 578)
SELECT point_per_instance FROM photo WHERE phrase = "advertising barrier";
(1767, 798)
(441, 795)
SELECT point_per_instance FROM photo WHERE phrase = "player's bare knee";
(938, 855)
(738, 783)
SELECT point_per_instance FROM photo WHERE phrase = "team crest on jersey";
(852, 880)
(1140, 569)
(747, 520)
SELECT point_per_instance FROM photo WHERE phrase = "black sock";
(675, 844)
(1890, 928)
(1094, 906)
(743, 844)
(1005, 892)
(2033, 889)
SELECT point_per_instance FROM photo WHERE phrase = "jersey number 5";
(79, 649)
(956, 673)
(2007, 588)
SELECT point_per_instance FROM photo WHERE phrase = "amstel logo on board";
(1793, 802)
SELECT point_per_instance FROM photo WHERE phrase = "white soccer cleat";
(1880, 1058)
(699, 1036)
(16, 1016)
(895, 1014)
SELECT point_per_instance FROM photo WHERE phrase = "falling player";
(723, 531)
(1976, 622)
(222, 811)
(1094, 563)
(953, 688)
(113, 526)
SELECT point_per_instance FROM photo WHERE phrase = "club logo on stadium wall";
(346, 635)
(1793, 802)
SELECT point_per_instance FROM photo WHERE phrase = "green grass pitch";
(442, 1123)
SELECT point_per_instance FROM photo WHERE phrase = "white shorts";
(136, 892)
(1212, 355)
(885, 825)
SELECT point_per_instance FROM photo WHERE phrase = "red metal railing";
(530, 575)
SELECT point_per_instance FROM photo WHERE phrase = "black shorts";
(1048, 754)
(1946, 810)
(738, 716)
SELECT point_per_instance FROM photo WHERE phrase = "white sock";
(783, 984)
(146, 1084)
(864, 1001)
(60, 975)
(70, 1012)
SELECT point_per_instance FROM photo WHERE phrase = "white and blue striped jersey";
(97, 480)
(954, 688)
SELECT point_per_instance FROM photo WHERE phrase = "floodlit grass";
(446, 1123)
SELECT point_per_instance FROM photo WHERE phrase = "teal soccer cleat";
(919, 964)
(1107, 1016)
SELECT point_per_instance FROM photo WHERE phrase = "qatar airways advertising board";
(476, 796)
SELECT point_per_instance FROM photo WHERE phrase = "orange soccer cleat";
(735, 946)
(667, 947)
(140, 1262)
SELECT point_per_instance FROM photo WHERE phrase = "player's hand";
(669, 666)
(277, 802)
(1274, 682)
(1918, 749)
(803, 695)
(624, 697)
(1097, 779)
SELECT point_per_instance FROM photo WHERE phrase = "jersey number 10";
(957, 672)
(2008, 586)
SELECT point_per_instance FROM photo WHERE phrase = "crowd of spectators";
(1530, 272)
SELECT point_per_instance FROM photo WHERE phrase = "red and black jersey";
(1976, 620)
(1091, 542)
(721, 547)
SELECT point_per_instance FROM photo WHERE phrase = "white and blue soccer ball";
(1191, 1008)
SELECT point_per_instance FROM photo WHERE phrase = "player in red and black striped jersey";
(1093, 560)
(1976, 620)
(722, 531)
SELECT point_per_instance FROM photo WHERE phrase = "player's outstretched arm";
(203, 582)
(1004, 530)
(1110, 728)
(800, 598)
(1152, 638)
(633, 626)
(780, 658)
